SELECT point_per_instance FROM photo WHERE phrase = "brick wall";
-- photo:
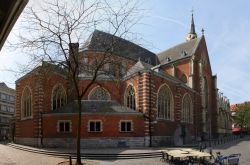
(110, 126)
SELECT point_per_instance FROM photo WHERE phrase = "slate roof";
(48, 68)
(101, 41)
(181, 51)
(96, 106)
(139, 66)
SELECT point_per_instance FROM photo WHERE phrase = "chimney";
(73, 53)
(73, 49)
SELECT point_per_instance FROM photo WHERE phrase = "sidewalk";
(122, 150)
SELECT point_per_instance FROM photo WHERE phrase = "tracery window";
(165, 103)
(59, 97)
(130, 97)
(99, 93)
(26, 103)
(187, 111)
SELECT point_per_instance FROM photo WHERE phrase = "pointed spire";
(192, 30)
(192, 35)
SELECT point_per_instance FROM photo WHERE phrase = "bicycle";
(232, 159)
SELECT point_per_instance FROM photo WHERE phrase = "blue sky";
(166, 23)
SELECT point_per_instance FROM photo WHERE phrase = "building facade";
(224, 119)
(161, 99)
(7, 111)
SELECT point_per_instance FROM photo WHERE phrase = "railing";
(219, 141)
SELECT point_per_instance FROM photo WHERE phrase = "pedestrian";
(200, 146)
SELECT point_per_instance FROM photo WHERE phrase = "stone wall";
(131, 142)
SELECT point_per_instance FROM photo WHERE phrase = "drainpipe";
(150, 107)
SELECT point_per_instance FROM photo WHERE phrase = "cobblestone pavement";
(242, 147)
(12, 156)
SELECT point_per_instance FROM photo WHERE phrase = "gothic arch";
(99, 93)
(58, 97)
(130, 97)
(187, 109)
(165, 103)
(26, 103)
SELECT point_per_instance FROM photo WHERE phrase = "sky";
(166, 23)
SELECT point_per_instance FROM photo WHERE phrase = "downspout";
(149, 119)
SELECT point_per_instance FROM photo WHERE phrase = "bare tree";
(53, 31)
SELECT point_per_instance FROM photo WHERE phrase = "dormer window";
(184, 53)
(168, 59)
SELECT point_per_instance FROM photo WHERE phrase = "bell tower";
(191, 35)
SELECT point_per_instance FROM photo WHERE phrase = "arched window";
(165, 103)
(99, 93)
(26, 103)
(130, 97)
(187, 111)
(59, 97)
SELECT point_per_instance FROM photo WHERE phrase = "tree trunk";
(78, 144)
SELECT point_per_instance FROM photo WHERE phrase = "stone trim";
(126, 121)
(97, 142)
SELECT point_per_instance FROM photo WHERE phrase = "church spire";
(192, 35)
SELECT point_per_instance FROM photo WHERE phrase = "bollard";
(70, 160)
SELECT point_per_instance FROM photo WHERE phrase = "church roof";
(139, 66)
(96, 106)
(181, 51)
(101, 41)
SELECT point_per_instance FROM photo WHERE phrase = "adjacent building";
(161, 99)
(7, 110)
(224, 118)
(10, 10)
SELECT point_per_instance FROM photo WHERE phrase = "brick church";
(170, 98)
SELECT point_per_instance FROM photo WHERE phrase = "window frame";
(95, 130)
(167, 110)
(126, 129)
(26, 102)
(130, 99)
(64, 122)
(62, 97)
(95, 89)
(187, 109)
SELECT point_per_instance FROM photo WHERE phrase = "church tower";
(191, 35)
